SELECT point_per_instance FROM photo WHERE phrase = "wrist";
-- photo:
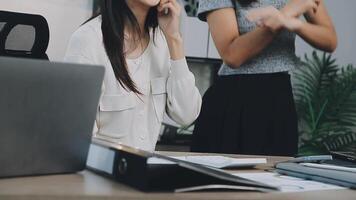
(294, 25)
(287, 12)
(281, 24)
(290, 11)
(298, 25)
(175, 45)
(174, 38)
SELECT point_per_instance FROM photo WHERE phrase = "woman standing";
(250, 109)
(139, 44)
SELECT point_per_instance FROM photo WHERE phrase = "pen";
(330, 167)
(311, 159)
(304, 159)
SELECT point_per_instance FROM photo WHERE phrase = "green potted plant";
(325, 96)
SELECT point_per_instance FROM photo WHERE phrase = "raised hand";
(296, 8)
(273, 19)
(169, 18)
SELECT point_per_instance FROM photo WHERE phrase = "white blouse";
(167, 86)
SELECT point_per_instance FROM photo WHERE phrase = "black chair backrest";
(23, 35)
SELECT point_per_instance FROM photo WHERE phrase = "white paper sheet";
(288, 183)
(214, 161)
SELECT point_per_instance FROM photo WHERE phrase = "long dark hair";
(115, 16)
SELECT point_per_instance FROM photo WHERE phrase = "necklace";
(136, 63)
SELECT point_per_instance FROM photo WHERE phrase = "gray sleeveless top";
(279, 56)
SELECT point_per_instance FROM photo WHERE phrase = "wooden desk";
(87, 185)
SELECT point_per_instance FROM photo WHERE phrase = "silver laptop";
(47, 113)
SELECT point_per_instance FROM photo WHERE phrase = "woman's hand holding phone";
(169, 18)
(169, 12)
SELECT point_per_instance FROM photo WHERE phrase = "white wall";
(342, 12)
(344, 16)
(63, 16)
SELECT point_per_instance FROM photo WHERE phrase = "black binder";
(129, 166)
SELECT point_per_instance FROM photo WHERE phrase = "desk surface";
(87, 185)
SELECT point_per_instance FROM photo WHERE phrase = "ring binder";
(130, 167)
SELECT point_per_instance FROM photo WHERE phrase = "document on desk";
(288, 183)
(219, 162)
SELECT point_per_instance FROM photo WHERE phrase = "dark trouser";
(248, 114)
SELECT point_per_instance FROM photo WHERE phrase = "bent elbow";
(186, 112)
(231, 60)
(188, 120)
(333, 45)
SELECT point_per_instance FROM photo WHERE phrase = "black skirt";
(248, 114)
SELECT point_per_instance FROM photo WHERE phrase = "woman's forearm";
(251, 44)
(235, 48)
(318, 36)
(175, 46)
(169, 12)
(245, 47)
(319, 30)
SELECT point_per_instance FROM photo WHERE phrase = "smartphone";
(166, 11)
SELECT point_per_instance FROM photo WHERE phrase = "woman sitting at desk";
(139, 43)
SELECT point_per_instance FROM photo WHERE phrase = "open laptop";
(47, 113)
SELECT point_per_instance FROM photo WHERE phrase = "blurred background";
(329, 123)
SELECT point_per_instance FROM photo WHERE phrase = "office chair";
(23, 35)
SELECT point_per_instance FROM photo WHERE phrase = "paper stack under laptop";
(219, 162)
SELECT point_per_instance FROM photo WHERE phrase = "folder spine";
(130, 169)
